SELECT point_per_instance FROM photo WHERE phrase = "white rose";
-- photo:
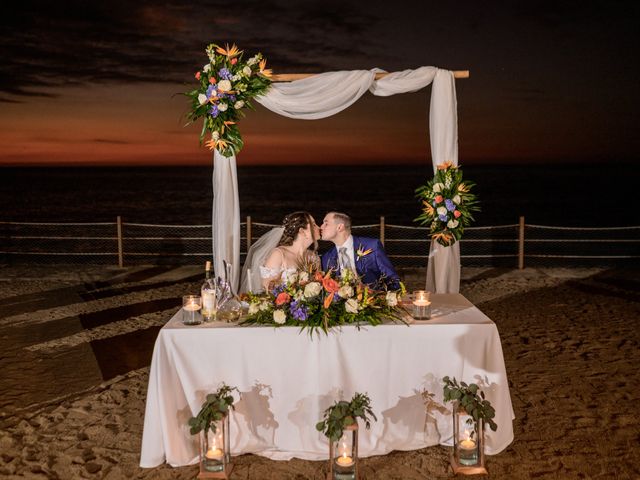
(224, 85)
(303, 277)
(345, 291)
(392, 299)
(202, 99)
(292, 277)
(437, 187)
(207, 67)
(238, 105)
(247, 71)
(279, 316)
(456, 199)
(351, 305)
(452, 223)
(312, 289)
(442, 210)
(223, 107)
(253, 308)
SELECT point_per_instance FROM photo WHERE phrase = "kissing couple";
(281, 251)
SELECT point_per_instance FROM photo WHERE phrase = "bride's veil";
(257, 255)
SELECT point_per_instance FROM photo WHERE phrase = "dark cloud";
(78, 42)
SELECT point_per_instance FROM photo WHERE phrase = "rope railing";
(406, 245)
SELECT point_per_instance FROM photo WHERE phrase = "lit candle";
(214, 453)
(421, 303)
(344, 460)
(191, 307)
(468, 444)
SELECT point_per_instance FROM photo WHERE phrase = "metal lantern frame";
(224, 464)
(335, 472)
(458, 463)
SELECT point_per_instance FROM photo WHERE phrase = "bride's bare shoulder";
(275, 258)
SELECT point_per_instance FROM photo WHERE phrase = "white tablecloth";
(288, 379)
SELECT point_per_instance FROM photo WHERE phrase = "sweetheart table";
(287, 379)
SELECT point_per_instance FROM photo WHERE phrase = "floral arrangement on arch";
(447, 204)
(226, 86)
(312, 300)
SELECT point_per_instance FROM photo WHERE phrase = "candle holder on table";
(192, 309)
(421, 305)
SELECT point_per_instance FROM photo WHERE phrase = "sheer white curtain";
(324, 95)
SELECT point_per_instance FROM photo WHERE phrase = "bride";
(279, 252)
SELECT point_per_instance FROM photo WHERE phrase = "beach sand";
(76, 344)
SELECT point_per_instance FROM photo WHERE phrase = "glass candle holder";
(343, 455)
(192, 309)
(421, 305)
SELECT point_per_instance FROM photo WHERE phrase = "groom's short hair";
(343, 218)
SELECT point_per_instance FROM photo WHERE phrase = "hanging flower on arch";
(226, 86)
(447, 204)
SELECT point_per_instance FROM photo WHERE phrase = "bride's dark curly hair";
(292, 224)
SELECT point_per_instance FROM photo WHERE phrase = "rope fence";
(515, 245)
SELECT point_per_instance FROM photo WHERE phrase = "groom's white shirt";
(350, 253)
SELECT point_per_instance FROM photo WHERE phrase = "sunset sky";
(86, 83)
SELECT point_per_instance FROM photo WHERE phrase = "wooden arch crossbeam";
(290, 77)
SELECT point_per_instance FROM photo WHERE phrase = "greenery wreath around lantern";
(447, 204)
(343, 414)
(214, 408)
(226, 86)
(471, 399)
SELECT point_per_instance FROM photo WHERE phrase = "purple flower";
(213, 111)
(232, 98)
(449, 204)
(443, 218)
(298, 311)
(211, 91)
(225, 73)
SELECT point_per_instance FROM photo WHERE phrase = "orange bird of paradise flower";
(226, 124)
(428, 209)
(229, 52)
(327, 301)
(219, 144)
(445, 165)
(267, 72)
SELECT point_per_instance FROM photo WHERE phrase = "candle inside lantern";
(468, 453)
(344, 461)
(214, 453)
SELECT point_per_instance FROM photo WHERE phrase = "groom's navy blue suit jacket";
(374, 269)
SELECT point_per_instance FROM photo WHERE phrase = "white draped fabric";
(324, 95)
(226, 216)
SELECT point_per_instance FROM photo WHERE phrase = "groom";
(365, 254)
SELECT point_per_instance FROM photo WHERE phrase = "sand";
(569, 336)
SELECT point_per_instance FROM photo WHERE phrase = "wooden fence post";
(521, 244)
(120, 251)
(382, 230)
(248, 233)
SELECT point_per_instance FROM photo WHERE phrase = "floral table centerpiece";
(312, 299)
(447, 204)
(226, 86)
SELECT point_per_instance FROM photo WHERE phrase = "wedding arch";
(316, 96)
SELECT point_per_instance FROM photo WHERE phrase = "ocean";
(558, 195)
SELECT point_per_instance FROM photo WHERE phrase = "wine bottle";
(208, 294)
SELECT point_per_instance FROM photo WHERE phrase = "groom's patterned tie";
(344, 258)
